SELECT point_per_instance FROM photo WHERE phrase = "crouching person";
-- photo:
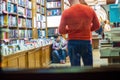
(59, 50)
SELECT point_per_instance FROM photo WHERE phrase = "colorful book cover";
(9, 7)
(5, 20)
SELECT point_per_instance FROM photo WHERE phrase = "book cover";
(5, 20)
(1, 20)
(9, 20)
(14, 21)
(23, 22)
(4, 6)
(19, 22)
(12, 8)
(15, 8)
(9, 7)
(0, 8)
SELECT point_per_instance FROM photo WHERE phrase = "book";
(42, 10)
(1, 20)
(38, 24)
(28, 23)
(12, 21)
(38, 17)
(54, 12)
(23, 22)
(39, 33)
(38, 1)
(4, 6)
(21, 3)
(22, 34)
(5, 20)
(38, 8)
(13, 33)
(0, 8)
(19, 22)
(42, 2)
(3, 35)
(54, 4)
(29, 33)
(29, 13)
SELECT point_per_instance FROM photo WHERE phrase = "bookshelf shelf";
(54, 8)
(15, 14)
(12, 27)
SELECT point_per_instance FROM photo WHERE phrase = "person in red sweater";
(78, 22)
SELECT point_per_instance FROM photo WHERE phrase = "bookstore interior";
(27, 29)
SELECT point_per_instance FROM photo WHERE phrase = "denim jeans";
(60, 55)
(78, 49)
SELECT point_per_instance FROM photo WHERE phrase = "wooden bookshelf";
(19, 22)
(16, 18)
(54, 10)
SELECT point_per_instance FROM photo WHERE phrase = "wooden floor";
(96, 61)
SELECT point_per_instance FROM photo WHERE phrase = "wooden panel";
(43, 57)
(13, 63)
(22, 61)
(48, 55)
(38, 58)
(4, 62)
(31, 60)
(95, 43)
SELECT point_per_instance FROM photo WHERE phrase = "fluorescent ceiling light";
(116, 2)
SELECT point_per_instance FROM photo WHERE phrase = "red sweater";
(78, 22)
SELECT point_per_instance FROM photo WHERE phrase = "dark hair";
(56, 36)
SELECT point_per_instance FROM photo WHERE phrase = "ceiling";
(94, 2)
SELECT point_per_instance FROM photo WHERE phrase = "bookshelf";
(40, 24)
(54, 10)
(16, 20)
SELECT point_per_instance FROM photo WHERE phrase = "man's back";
(79, 19)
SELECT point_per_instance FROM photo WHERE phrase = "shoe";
(62, 62)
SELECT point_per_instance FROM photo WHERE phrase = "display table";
(112, 59)
(95, 42)
(33, 58)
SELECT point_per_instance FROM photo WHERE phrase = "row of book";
(52, 31)
(22, 3)
(40, 9)
(24, 23)
(3, 35)
(54, 12)
(42, 2)
(40, 25)
(13, 8)
(25, 12)
(53, 4)
(25, 33)
(41, 33)
(3, 20)
(13, 33)
(12, 21)
(40, 17)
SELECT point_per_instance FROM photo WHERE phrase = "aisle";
(96, 58)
